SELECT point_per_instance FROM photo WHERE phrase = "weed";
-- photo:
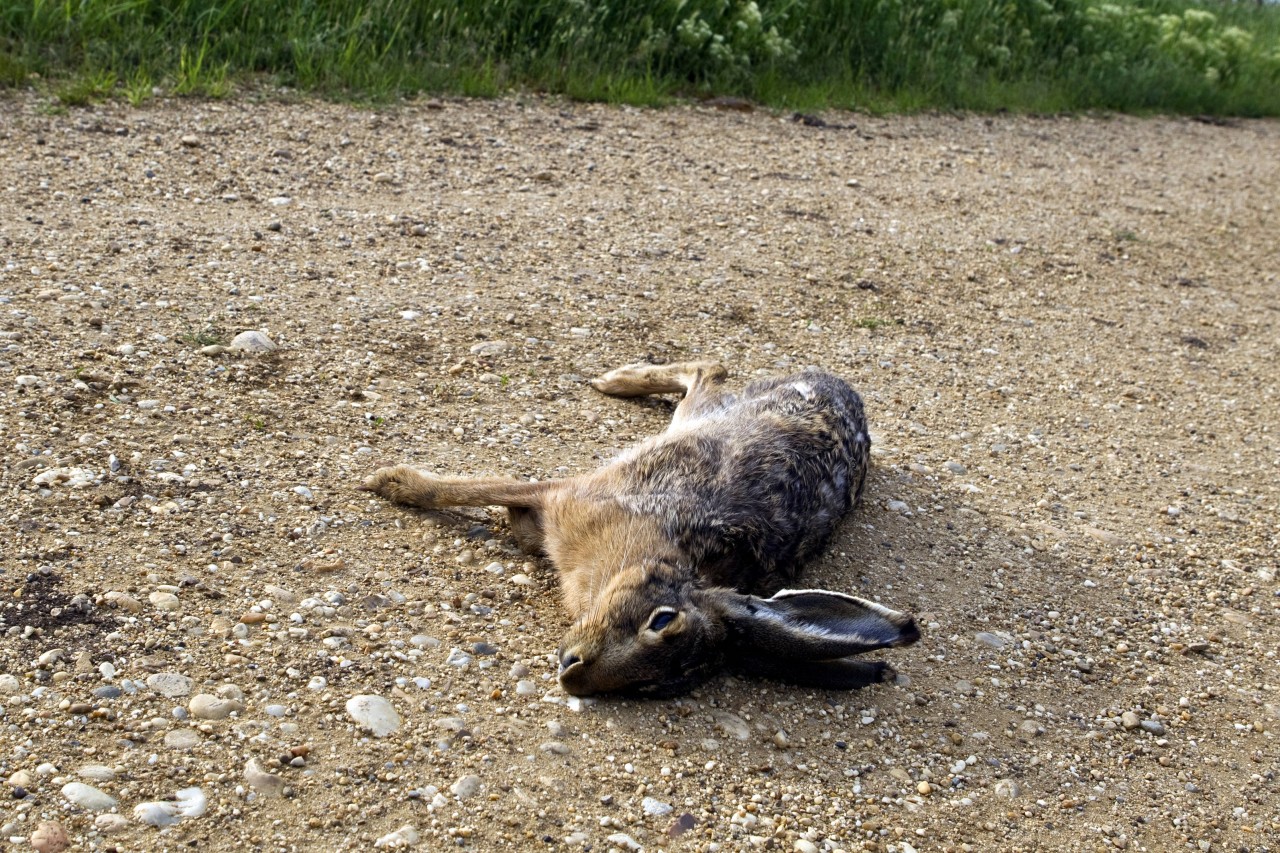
(207, 336)
(875, 55)
(874, 323)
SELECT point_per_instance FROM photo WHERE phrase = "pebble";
(459, 658)
(75, 478)
(49, 837)
(88, 797)
(466, 787)
(252, 341)
(1008, 789)
(9, 684)
(182, 739)
(188, 802)
(405, 836)
(487, 348)
(204, 706)
(267, 784)
(164, 601)
(525, 687)
(109, 823)
(804, 845)
(655, 808)
(1154, 726)
(898, 506)
(995, 641)
(731, 724)
(555, 747)
(626, 842)
(374, 713)
(1130, 720)
(170, 684)
(96, 773)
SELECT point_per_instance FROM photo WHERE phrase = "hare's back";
(755, 484)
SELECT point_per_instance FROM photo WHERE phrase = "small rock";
(555, 747)
(189, 141)
(374, 713)
(74, 478)
(681, 825)
(267, 784)
(88, 797)
(458, 658)
(924, 789)
(188, 802)
(405, 836)
(182, 739)
(731, 724)
(803, 845)
(1130, 720)
(525, 687)
(170, 684)
(110, 823)
(488, 348)
(1154, 726)
(995, 641)
(96, 773)
(466, 787)
(1008, 789)
(166, 602)
(655, 808)
(898, 506)
(49, 837)
(626, 842)
(9, 684)
(252, 341)
(203, 706)
(212, 350)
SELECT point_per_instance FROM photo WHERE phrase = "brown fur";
(660, 552)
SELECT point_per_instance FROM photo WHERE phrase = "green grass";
(1216, 57)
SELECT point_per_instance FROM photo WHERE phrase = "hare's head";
(654, 632)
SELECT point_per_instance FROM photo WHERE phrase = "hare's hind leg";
(696, 380)
(404, 484)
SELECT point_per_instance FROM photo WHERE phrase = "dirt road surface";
(1065, 330)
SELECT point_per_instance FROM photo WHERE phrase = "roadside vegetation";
(1218, 58)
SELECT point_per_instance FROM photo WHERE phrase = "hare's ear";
(805, 636)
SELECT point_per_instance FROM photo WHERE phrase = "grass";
(1210, 57)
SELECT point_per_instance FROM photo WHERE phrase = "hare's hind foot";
(406, 485)
(639, 380)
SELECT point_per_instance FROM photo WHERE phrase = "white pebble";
(88, 797)
(374, 713)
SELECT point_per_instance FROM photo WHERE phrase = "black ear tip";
(908, 632)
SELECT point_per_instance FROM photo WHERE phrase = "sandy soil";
(1065, 331)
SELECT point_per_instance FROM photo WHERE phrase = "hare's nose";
(568, 659)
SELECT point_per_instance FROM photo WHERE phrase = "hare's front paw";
(630, 380)
(403, 484)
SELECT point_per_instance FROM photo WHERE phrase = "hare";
(665, 553)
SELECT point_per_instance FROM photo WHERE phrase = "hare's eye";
(661, 619)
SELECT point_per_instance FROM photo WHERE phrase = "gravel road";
(1065, 330)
